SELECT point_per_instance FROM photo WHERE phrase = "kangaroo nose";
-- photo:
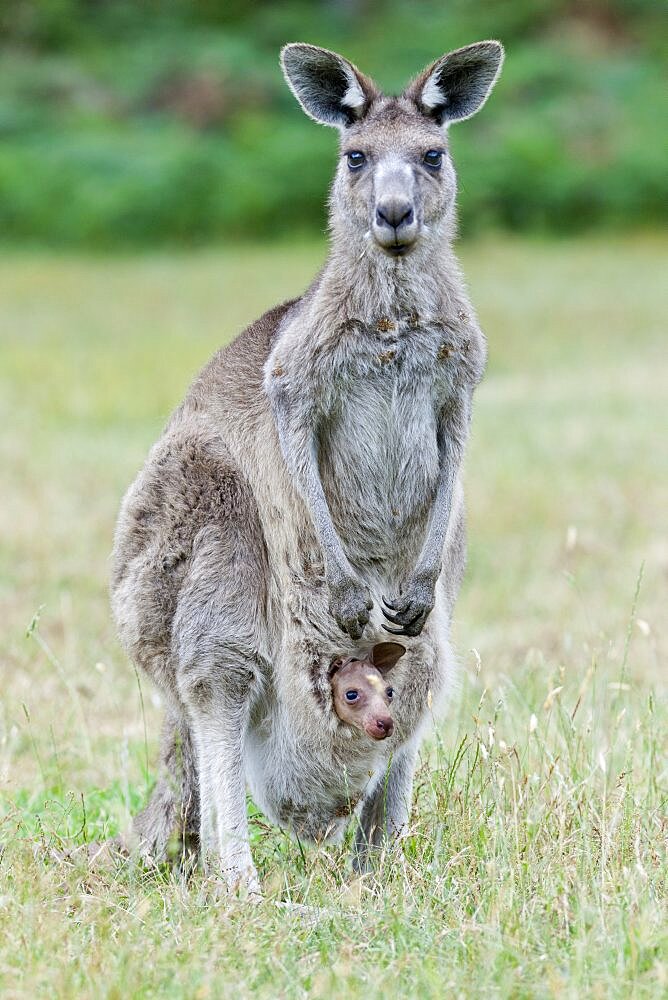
(394, 214)
(385, 725)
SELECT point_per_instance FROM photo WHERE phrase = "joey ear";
(385, 655)
(329, 88)
(335, 666)
(458, 84)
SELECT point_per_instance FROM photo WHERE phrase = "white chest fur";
(384, 386)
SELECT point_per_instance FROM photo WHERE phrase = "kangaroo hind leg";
(217, 642)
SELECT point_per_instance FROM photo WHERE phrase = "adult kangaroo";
(307, 492)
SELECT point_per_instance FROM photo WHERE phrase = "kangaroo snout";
(394, 226)
(379, 729)
(394, 214)
(395, 211)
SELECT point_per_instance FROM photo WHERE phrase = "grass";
(536, 861)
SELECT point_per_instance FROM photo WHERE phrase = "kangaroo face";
(395, 181)
(361, 692)
(363, 699)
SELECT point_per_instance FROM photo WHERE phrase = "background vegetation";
(135, 122)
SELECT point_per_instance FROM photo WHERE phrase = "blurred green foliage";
(132, 122)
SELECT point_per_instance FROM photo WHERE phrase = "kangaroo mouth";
(396, 249)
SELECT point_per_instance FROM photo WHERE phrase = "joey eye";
(390, 693)
(433, 158)
(352, 695)
(356, 159)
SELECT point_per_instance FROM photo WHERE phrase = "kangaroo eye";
(352, 695)
(433, 158)
(356, 159)
(390, 693)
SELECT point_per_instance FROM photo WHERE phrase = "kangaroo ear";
(329, 88)
(385, 655)
(458, 84)
(335, 666)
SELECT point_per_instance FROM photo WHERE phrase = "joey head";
(361, 691)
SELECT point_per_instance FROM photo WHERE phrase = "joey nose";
(385, 726)
(379, 728)
(394, 213)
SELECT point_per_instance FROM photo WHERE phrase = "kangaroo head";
(395, 183)
(361, 691)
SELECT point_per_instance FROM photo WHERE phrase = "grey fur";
(313, 467)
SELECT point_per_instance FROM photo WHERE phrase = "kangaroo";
(361, 694)
(305, 499)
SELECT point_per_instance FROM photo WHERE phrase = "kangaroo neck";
(361, 282)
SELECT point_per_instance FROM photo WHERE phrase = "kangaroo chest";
(386, 386)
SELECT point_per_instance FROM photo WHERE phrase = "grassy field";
(536, 862)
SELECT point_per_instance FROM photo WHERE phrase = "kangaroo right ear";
(458, 84)
(329, 88)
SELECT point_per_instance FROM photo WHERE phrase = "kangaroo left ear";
(458, 84)
(385, 655)
(335, 666)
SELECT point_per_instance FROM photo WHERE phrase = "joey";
(362, 693)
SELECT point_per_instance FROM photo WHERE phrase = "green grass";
(536, 860)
